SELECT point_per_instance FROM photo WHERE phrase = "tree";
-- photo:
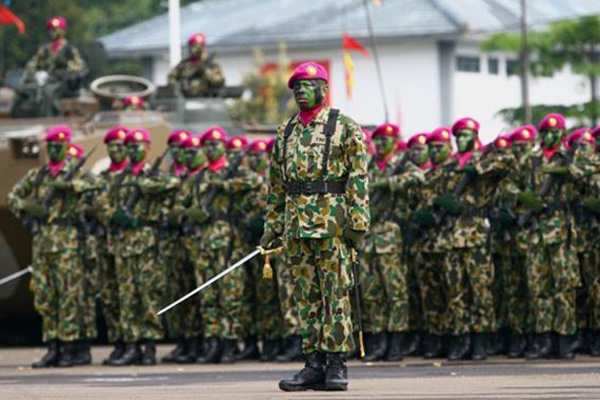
(573, 43)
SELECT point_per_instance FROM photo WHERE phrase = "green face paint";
(521, 148)
(117, 151)
(57, 33)
(214, 149)
(177, 153)
(384, 145)
(308, 94)
(137, 152)
(419, 154)
(194, 158)
(585, 147)
(57, 151)
(465, 140)
(439, 152)
(258, 161)
(196, 50)
(551, 138)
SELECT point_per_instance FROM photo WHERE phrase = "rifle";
(135, 195)
(53, 192)
(229, 174)
(192, 226)
(357, 303)
(531, 217)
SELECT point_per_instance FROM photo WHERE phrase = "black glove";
(449, 203)
(424, 218)
(354, 238)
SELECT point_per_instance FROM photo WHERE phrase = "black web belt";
(316, 187)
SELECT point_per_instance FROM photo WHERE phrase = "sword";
(16, 275)
(212, 280)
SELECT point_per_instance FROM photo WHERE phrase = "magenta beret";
(417, 139)
(56, 22)
(192, 142)
(391, 130)
(197, 38)
(441, 134)
(307, 71)
(214, 133)
(523, 133)
(138, 135)
(259, 146)
(179, 136)
(580, 135)
(552, 121)
(237, 142)
(61, 133)
(465, 123)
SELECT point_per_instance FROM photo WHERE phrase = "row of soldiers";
(138, 238)
(489, 250)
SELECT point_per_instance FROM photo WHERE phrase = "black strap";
(289, 128)
(316, 187)
(39, 177)
(329, 131)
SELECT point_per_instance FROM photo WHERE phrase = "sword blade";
(211, 281)
(16, 275)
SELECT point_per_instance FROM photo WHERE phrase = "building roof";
(243, 23)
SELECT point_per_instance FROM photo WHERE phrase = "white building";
(433, 69)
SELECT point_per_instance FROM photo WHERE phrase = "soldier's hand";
(592, 204)
(531, 200)
(449, 203)
(60, 184)
(424, 218)
(175, 216)
(354, 238)
(267, 238)
(34, 208)
(120, 218)
(380, 184)
(197, 214)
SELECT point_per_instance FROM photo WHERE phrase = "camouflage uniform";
(141, 278)
(313, 224)
(196, 76)
(57, 269)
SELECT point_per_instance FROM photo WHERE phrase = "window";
(493, 66)
(513, 67)
(468, 64)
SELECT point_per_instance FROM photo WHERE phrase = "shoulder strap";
(39, 177)
(329, 131)
(286, 135)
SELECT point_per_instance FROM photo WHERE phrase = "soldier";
(210, 208)
(141, 278)
(109, 283)
(318, 203)
(57, 271)
(552, 267)
(235, 145)
(384, 274)
(56, 69)
(198, 74)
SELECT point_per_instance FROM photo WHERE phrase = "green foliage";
(581, 114)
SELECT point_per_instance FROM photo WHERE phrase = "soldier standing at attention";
(57, 269)
(198, 73)
(319, 204)
(109, 289)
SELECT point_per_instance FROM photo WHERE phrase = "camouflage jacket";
(58, 230)
(318, 215)
(66, 59)
(195, 77)
(218, 231)
(385, 235)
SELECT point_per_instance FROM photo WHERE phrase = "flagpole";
(376, 58)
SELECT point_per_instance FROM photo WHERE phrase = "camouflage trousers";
(184, 320)
(249, 310)
(321, 271)
(384, 283)
(432, 292)
(287, 305)
(589, 304)
(415, 311)
(58, 281)
(141, 296)
(90, 290)
(513, 293)
(468, 276)
(552, 279)
(109, 295)
(269, 321)
(222, 303)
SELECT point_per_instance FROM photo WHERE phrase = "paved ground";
(497, 378)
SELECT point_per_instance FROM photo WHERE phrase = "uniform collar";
(320, 118)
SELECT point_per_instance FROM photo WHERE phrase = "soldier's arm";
(275, 212)
(406, 181)
(21, 191)
(174, 74)
(157, 185)
(33, 65)
(357, 189)
(214, 76)
(76, 63)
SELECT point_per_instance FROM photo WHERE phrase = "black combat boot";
(270, 350)
(83, 353)
(396, 347)
(432, 346)
(212, 352)
(479, 347)
(115, 354)
(565, 347)
(594, 340)
(312, 376)
(228, 355)
(179, 350)
(459, 347)
(149, 356)
(378, 347)
(336, 373)
(413, 344)
(496, 343)
(250, 351)
(189, 356)
(51, 358)
(292, 351)
(580, 342)
(67, 354)
(540, 347)
(517, 346)
(131, 356)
